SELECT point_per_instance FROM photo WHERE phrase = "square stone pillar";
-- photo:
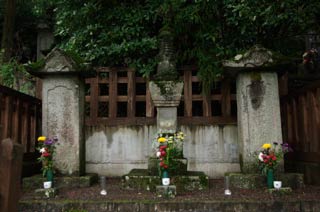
(258, 105)
(63, 111)
(259, 118)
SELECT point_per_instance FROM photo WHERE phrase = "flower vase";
(270, 178)
(165, 178)
(49, 175)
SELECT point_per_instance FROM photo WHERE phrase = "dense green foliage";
(206, 31)
(117, 33)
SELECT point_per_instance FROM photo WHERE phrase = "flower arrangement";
(46, 147)
(168, 147)
(270, 156)
(311, 59)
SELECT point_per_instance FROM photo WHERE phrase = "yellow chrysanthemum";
(42, 138)
(162, 139)
(266, 146)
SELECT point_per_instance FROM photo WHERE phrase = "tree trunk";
(8, 29)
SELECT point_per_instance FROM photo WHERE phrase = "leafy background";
(206, 32)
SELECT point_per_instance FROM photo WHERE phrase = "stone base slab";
(255, 181)
(140, 179)
(166, 191)
(46, 192)
(36, 181)
(280, 191)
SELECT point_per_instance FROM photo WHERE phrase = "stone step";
(172, 205)
(36, 181)
(255, 181)
(140, 179)
(166, 191)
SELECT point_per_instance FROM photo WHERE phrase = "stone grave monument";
(166, 91)
(258, 111)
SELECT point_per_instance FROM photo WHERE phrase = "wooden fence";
(300, 112)
(118, 96)
(20, 118)
(10, 173)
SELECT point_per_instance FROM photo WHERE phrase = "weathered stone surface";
(166, 191)
(63, 105)
(140, 179)
(167, 119)
(258, 109)
(114, 151)
(280, 191)
(48, 192)
(166, 93)
(36, 181)
(203, 206)
(63, 110)
(255, 57)
(45, 39)
(254, 181)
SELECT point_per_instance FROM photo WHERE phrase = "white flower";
(158, 154)
(260, 156)
(42, 150)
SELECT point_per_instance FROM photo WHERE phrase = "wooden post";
(10, 173)
(94, 93)
(131, 110)
(226, 98)
(113, 86)
(187, 94)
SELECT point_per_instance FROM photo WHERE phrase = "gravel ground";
(214, 193)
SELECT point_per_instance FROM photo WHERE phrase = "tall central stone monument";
(165, 89)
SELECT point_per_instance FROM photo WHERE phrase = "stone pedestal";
(63, 110)
(166, 97)
(258, 106)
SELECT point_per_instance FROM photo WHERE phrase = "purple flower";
(286, 148)
(48, 142)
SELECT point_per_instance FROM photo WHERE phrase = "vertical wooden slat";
(295, 121)
(283, 85)
(187, 95)
(16, 121)
(7, 117)
(1, 116)
(226, 98)
(94, 92)
(149, 103)
(317, 116)
(28, 120)
(38, 122)
(305, 123)
(24, 130)
(289, 122)
(131, 93)
(32, 129)
(113, 86)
